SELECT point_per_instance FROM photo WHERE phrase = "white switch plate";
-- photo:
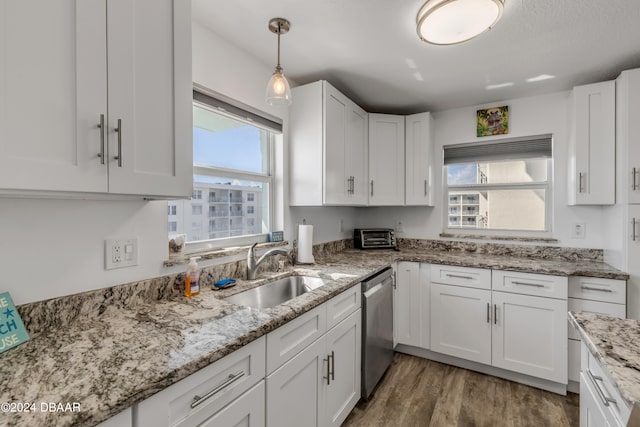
(578, 230)
(120, 253)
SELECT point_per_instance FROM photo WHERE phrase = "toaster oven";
(374, 238)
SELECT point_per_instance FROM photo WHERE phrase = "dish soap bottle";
(192, 279)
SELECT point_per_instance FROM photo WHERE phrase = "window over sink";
(232, 176)
(503, 187)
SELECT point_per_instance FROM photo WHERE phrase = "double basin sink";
(276, 292)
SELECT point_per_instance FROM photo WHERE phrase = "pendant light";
(446, 22)
(278, 90)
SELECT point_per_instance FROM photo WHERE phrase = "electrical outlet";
(341, 226)
(579, 230)
(120, 253)
(399, 227)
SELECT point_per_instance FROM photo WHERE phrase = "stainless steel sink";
(275, 293)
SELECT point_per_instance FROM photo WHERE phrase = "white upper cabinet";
(50, 116)
(592, 145)
(386, 160)
(628, 135)
(328, 148)
(419, 160)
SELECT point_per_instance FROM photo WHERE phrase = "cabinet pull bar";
(119, 131)
(197, 400)
(102, 130)
(580, 175)
(634, 174)
(457, 276)
(353, 185)
(328, 377)
(333, 365)
(633, 229)
(371, 188)
(495, 314)
(489, 313)
(425, 187)
(605, 399)
(589, 288)
(537, 285)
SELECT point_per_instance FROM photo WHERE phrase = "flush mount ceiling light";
(455, 21)
(278, 90)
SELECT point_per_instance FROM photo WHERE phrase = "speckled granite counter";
(119, 354)
(616, 345)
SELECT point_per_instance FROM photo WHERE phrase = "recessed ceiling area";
(369, 49)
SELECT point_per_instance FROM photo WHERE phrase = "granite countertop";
(616, 345)
(109, 362)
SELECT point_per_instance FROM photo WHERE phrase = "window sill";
(219, 253)
(501, 238)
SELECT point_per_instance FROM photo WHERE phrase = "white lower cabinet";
(591, 412)
(246, 411)
(411, 304)
(321, 384)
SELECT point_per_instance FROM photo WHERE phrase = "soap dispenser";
(192, 279)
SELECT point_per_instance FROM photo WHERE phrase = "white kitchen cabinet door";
(150, 97)
(419, 160)
(633, 255)
(344, 345)
(530, 335)
(591, 412)
(53, 91)
(407, 310)
(355, 154)
(628, 134)
(295, 394)
(461, 322)
(246, 411)
(386, 160)
(592, 146)
(336, 181)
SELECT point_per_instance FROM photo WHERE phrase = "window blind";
(243, 113)
(539, 146)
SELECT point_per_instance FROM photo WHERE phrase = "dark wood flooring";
(420, 392)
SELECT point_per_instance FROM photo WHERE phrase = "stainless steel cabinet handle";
(488, 313)
(102, 131)
(457, 276)
(119, 131)
(328, 377)
(633, 229)
(634, 174)
(605, 399)
(353, 185)
(425, 187)
(537, 285)
(589, 288)
(495, 314)
(333, 365)
(371, 188)
(580, 175)
(197, 400)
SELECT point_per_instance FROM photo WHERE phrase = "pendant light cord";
(278, 67)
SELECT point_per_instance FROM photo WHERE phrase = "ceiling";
(369, 49)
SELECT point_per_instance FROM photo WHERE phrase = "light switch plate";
(578, 230)
(120, 253)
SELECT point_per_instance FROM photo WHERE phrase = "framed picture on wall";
(492, 121)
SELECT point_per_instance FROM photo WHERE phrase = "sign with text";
(12, 330)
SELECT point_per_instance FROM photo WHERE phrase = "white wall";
(527, 116)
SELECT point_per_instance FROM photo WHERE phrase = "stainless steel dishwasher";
(377, 328)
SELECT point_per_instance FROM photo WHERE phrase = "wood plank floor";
(420, 392)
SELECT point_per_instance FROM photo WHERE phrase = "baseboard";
(547, 385)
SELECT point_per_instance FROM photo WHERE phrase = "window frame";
(267, 178)
(548, 204)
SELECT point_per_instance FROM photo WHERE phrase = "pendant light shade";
(278, 90)
(446, 22)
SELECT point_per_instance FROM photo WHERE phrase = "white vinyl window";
(232, 165)
(501, 187)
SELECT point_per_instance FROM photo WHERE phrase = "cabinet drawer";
(542, 285)
(597, 307)
(341, 306)
(215, 386)
(598, 289)
(461, 276)
(288, 340)
(599, 380)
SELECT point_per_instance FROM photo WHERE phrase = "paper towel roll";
(305, 243)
